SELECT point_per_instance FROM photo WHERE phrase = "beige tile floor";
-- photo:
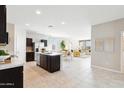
(74, 74)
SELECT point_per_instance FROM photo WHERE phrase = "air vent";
(50, 26)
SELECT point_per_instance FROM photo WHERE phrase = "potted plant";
(3, 55)
(62, 45)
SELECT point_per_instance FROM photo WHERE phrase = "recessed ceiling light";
(63, 23)
(38, 12)
(27, 24)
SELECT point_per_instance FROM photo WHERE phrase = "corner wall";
(20, 43)
(107, 60)
(122, 51)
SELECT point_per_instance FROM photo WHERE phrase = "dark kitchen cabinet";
(30, 50)
(4, 38)
(2, 19)
(45, 43)
(29, 42)
(43, 61)
(29, 56)
(11, 78)
(3, 34)
(53, 63)
(50, 63)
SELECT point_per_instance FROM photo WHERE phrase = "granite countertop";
(15, 62)
(50, 54)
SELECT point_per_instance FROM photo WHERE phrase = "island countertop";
(15, 62)
(50, 54)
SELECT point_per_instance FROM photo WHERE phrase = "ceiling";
(77, 18)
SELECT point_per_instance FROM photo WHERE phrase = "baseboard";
(108, 69)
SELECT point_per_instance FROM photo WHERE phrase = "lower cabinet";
(50, 63)
(53, 63)
(29, 56)
(11, 78)
(43, 61)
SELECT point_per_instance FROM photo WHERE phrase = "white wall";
(51, 40)
(122, 51)
(20, 43)
(17, 41)
(35, 36)
(105, 59)
(74, 44)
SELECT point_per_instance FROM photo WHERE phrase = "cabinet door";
(29, 42)
(29, 56)
(43, 61)
(53, 63)
(2, 19)
(11, 78)
(2, 23)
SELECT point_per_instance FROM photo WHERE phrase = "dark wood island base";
(50, 62)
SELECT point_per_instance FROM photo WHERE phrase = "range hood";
(44, 41)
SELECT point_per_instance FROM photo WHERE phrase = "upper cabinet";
(44, 41)
(3, 33)
(29, 42)
(2, 18)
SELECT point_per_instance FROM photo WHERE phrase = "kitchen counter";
(50, 54)
(15, 62)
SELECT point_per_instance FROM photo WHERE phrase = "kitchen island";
(49, 61)
(11, 74)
